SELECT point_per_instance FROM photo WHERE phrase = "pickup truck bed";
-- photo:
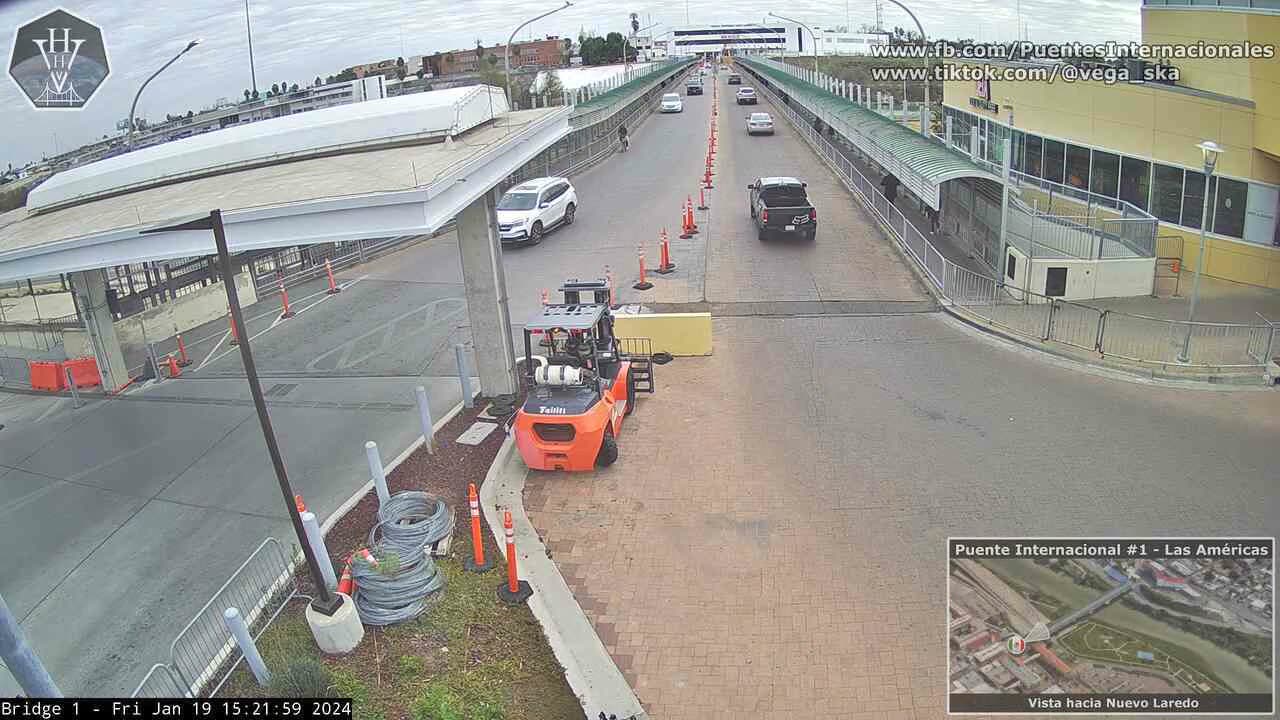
(779, 205)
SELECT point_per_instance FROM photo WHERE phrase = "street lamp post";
(1210, 151)
(626, 43)
(927, 107)
(248, 33)
(507, 54)
(813, 34)
(134, 106)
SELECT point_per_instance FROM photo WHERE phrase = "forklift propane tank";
(557, 375)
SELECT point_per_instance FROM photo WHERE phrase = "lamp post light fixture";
(134, 106)
(1210, 151)
(626, 43)
(927, 65)
(813, 34)
(511, 39)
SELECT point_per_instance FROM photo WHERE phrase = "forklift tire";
(631, 394)
(608, 449)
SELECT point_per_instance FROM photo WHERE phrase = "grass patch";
(1094, 640)
(469, 657)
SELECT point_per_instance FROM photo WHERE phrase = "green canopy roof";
(922, 163)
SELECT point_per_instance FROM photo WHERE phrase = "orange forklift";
(580, 391)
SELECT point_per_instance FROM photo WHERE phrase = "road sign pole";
(22, 660)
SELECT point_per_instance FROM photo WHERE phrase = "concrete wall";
(1086, 279)
(76, 343)
(186, 312)
(681, 334)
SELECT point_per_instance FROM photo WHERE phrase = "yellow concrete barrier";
(681, 334)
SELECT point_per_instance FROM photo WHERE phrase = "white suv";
(528, 210)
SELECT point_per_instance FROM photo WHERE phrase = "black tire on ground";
(631, 393)
(809, 236)
(535, 233)
(762, 234)
(568, 213)
(608, 449)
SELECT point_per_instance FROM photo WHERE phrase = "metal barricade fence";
(161, 682)
(1141, 339)
(15, 371)
(1075, 325)
(204, 654)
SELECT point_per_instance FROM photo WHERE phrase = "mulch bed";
(469, 656)
(446, 473)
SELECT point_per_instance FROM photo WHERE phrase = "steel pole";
(510, 39)
(1185, 355)
(248, 31)
(134, 106)
(811, 34)
(21, 659)
(326, 602)
(927, 64)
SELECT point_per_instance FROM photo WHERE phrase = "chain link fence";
(1018, 311)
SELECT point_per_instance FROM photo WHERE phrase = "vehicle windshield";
(784, 195)
(671, 97)
(518, 201)
(761, 117)
(746, 91)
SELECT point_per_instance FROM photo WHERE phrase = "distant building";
(387, 68)
(1145, 656)
(1183, 567)
(1051, 659)
(776, 38)
(988, 653)
(1117, 574)
(998, 675)
(546, 53)
(975, 640)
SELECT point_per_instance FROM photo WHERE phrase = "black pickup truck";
(780, 205)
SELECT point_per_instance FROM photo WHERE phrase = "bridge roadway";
(1094, 606)
(857, 441)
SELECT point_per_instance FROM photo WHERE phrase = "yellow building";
(1136, 142)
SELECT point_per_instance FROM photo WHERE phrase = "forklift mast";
(573, 289)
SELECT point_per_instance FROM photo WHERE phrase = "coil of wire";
(410, 521)
(394, 588)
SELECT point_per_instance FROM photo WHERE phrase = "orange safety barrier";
(665, 265)
(84, 371)
(46, 376)
(643, 284)
(514, 590)
(347, 584)
(333, 286)
(298, 503)
(477, 562)
(182, 352)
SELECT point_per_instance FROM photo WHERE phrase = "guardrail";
(203, 655)
(1021, 312)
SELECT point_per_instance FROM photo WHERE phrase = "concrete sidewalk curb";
(588, 668)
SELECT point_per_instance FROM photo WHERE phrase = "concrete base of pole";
(339, 633)
(470, 566)
(515, 598)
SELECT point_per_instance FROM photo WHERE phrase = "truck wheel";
(762, 234)
(809, 236)
(608, 449)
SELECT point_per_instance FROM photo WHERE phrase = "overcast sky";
(295, 41)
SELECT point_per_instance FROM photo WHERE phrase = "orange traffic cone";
(346, 584)
(174, 370)
(665, 266)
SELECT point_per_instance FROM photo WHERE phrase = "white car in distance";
(760, 123)
(529, 210)
(671, 103)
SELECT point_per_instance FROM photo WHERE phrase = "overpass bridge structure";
(1062, 624)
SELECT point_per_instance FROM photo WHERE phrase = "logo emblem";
(58, 61)
(799, 219)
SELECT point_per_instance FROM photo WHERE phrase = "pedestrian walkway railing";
(204, 654)
(1050, 320)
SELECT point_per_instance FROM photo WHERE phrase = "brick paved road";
(771, 542)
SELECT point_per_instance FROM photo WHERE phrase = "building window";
(1019, 140)
(1229, 206)
(1193, 199)
(1105, 173)
(1078, 167)
(1032, 160)
(1166, 198)
(1135, 181)
(1053, 160)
